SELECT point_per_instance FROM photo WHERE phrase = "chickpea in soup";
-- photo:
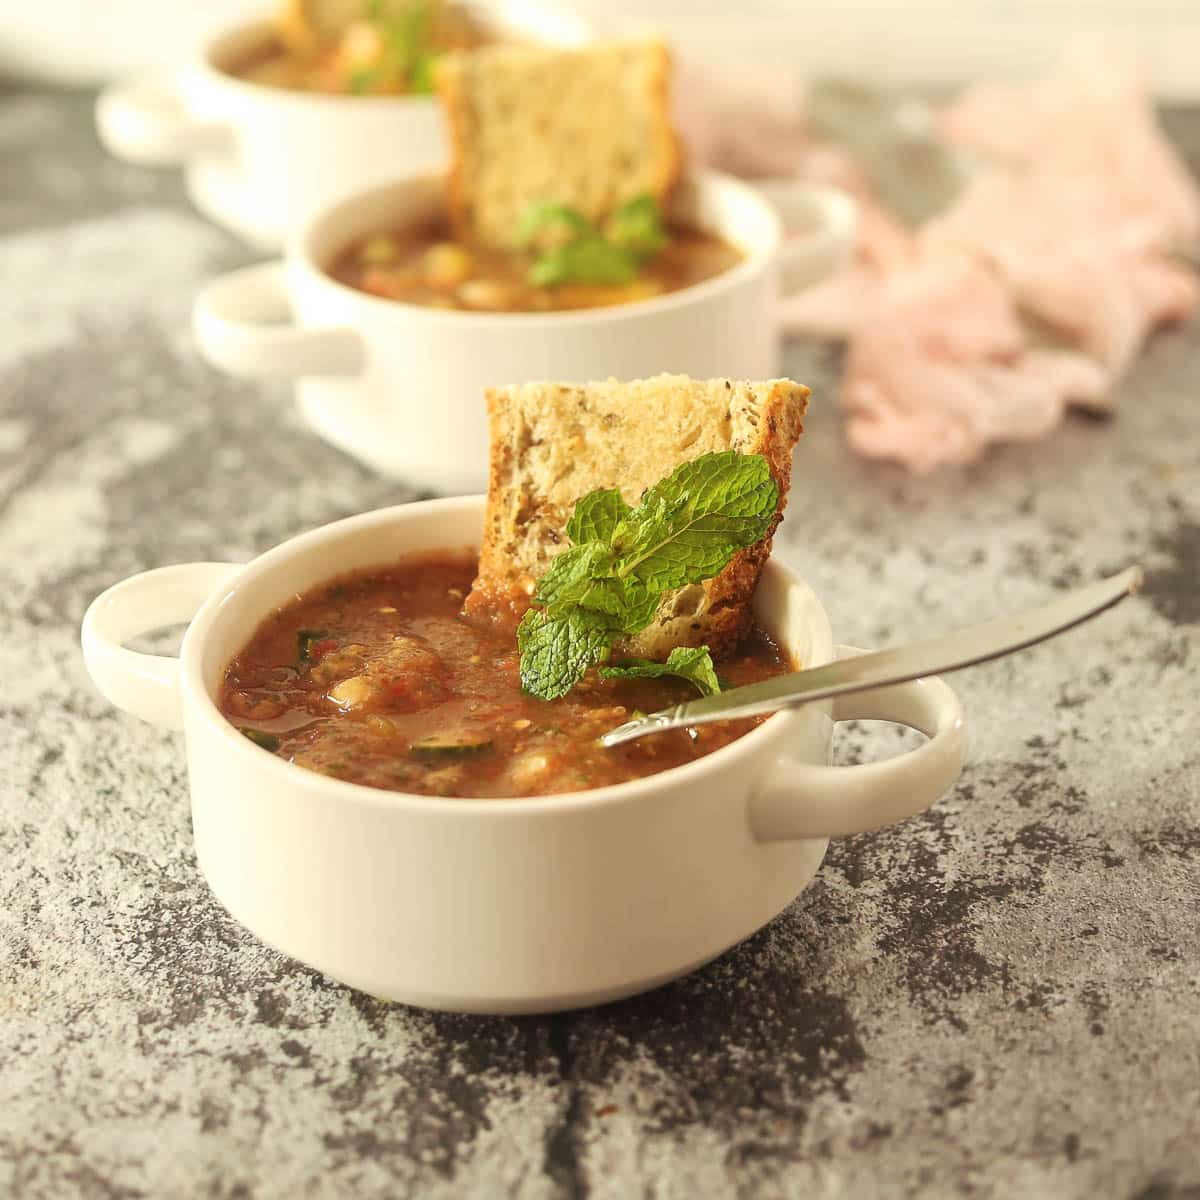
(380, 678)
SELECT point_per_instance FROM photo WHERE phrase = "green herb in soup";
(693, 663)
(567, 263)
(573, 250)
(397, 688)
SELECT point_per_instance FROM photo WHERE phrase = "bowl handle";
(820, 227)
(243, 324)
(805, 800)
(146, 685)
(144, 120)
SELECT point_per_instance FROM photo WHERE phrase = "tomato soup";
(379, 678)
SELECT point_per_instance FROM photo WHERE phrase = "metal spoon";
(933, 656)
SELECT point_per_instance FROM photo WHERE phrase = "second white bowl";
(401, 386)
(259, 159)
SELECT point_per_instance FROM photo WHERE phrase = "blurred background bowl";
(945, 42)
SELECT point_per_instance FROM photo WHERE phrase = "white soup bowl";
(500, 906)
(400, 386)
(259, 159)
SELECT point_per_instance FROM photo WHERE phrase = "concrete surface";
(999, 998)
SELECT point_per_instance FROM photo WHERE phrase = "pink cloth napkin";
(1034, 291)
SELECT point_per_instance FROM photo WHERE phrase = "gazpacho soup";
(380, 678)
(565, 263)
(382, 47)
(426, 266)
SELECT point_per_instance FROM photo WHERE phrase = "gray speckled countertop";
(998, 998)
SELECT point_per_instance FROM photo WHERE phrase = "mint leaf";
(547, 214)
(628, 602)
(421, 78)
(690, 525)
(582, 577)
(638, 226)
(586, 259)
(556, 652)
(582, 254)
(597, 516)
(406, 30)
(640, 605)
(694, 664)
(572, 575)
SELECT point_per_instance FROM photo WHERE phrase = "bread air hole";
(687, 601)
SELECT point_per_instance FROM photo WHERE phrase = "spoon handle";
(933, 656)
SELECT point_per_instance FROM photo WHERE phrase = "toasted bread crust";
(671, 159)
(466, 83)
(531, 492)
(450, 86)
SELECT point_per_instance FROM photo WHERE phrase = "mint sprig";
(549, 214)
(587, 258)
(556, 652)
(581, 253)
(693, 663)
(638, 226)
(689, 525)
(608, 584)
(597, 516)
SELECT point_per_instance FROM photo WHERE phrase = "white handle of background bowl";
(243, 324)
(824, 224)
(144, 120)
(804, 800)
(146, 685)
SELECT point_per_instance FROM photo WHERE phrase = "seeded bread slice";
(554, 442)
(589, 128)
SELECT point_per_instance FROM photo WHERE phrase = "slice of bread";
(554, 442)
(589, 128)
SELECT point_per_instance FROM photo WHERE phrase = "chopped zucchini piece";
(450, 745)
(305, 638)
(260, 737)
